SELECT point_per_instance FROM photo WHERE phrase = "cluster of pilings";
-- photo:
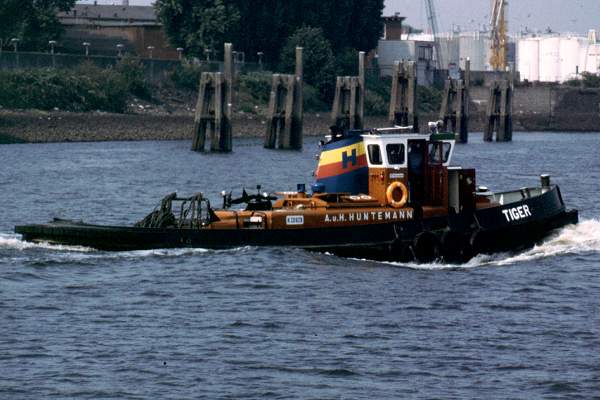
(348, 109)
(284, 121)
(403, 99)
(285, 112)
(499, 112)
(214, 108)
(454, 112)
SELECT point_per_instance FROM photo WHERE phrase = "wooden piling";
(214, 108)
(285, 113)
(454, 111)
(349, 101)
(499, 112)
(403, 101)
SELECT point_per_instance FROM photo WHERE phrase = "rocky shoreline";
(34, 126)
(57, 126)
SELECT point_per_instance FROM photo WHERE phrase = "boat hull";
(455, 237)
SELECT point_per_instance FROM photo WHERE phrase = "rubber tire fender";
(400, 251)
(481, 242)
(455, 247)
(426, 247)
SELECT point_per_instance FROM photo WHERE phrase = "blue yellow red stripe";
(343, 166)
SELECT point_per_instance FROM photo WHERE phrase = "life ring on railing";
(389, 194)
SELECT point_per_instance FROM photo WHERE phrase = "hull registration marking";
(294, 220)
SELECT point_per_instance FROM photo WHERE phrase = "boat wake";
(574, 239)
(582, 238)
(14, 242)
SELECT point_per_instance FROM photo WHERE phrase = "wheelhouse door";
(417, 163)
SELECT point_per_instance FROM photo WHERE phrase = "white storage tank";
(569, 58)
(476, 47)
(528, 59)
(550, 59)
(591, 55)
(450, 50)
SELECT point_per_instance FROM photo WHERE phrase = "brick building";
(392, 27)
(106, 26)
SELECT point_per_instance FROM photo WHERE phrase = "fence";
(155, 69)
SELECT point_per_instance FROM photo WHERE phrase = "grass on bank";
(90, 88)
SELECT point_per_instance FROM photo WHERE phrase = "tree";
(264, 25)
(196, 25)
(33, 22)
(319, 63)
(346, 24)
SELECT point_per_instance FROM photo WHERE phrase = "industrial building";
(421, 51)
(455, 48)
(135, 28)
(557, 58)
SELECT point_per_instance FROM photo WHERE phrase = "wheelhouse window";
(374, 154)
(395, 153)
(439, 152)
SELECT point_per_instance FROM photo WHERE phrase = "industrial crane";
(498, 35)
(433, 25)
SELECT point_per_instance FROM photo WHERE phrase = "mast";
(435, 30)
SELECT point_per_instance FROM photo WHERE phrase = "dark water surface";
(272, 323)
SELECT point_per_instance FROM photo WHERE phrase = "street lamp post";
(87, 48)
(241, 57)
(150, 48)
(15, 43)
(52, 43)
(260, 59)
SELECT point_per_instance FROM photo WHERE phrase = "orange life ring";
(389, 194)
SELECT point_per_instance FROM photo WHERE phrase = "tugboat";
(383, 194)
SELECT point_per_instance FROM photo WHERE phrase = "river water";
(270, 323)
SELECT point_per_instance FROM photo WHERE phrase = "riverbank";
(58, 126)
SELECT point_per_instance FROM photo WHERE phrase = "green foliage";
(132, 71)
(255, 91)
(590, 80)
(319, 63)
(573, 83)
(85, 88)
(198, 25)
(264, 25)
(375, 103)
(186, 76)
(313, 101)
(257, 85)
(346, 62)
(354, 24)
(429, 99)
(377, 94)
(587, 80)
(34, 22)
